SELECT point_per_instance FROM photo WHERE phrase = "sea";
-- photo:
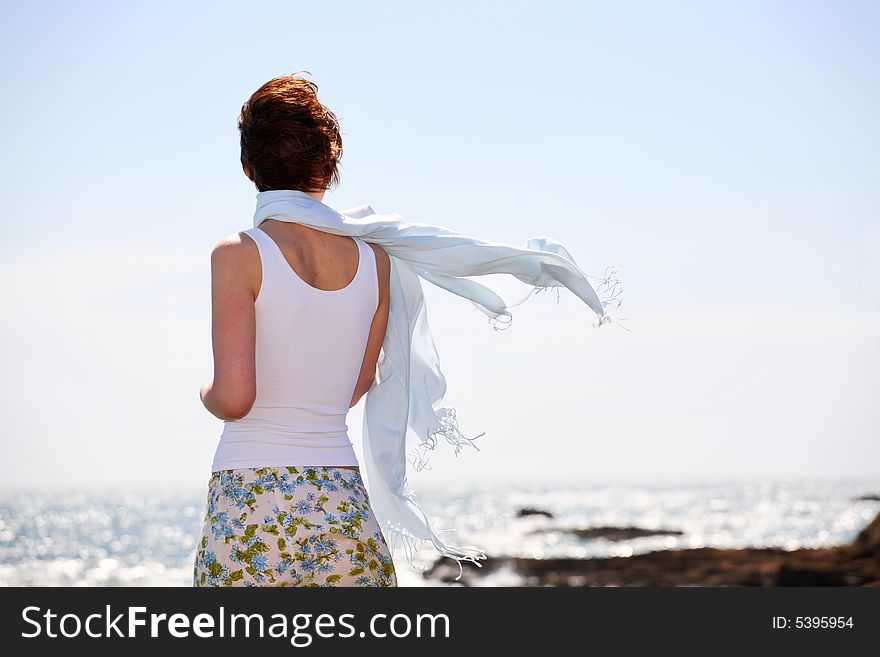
(147, 537)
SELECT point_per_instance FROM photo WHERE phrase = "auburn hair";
(289, 140)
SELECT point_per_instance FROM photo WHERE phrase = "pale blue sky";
(723, 155)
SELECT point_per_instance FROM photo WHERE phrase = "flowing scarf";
(403, 414)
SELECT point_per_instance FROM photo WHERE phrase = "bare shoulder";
(233, 250)
(235, 264)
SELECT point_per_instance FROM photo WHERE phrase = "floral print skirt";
(291, 526)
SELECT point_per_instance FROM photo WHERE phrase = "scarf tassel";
(412, 544)
(609, 290)
(447, 427)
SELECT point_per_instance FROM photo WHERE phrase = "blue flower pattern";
(291, 526)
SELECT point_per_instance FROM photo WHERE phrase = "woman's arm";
(377, 328)
(235, 282)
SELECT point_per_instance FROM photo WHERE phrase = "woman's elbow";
(237, 411)
(225, 403)
(235, 407)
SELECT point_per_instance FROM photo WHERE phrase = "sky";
(724, 156)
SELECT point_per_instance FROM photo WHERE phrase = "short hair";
(289, 140)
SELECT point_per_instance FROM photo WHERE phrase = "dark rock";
(870, 497)
(854, 564)
(794, 576)
(528, 511)
(611, 533)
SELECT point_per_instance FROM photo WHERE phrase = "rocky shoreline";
(854, 564)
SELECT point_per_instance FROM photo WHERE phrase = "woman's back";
(311, 337)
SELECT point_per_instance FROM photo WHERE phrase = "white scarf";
(403, 406)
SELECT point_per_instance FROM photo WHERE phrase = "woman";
(299, 317)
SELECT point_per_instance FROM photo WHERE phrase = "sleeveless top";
(310, 346)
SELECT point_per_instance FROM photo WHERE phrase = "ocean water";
(147, 537)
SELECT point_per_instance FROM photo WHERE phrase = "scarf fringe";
(411, 544)
(609, 290)
(447, 428)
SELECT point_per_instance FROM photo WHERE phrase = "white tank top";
(310, 346)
